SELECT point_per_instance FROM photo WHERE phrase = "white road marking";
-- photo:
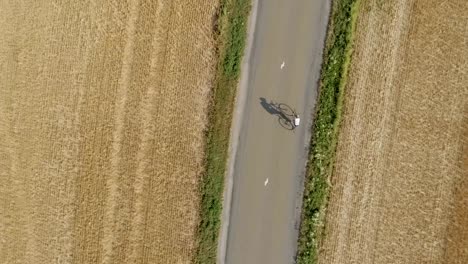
(283, 64)
(266, 181)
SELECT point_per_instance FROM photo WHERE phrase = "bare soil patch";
(399, 185)
(103, 106)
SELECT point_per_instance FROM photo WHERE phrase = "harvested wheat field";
(103, 106)
(400, 184)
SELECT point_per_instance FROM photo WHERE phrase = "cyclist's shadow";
(283, 111)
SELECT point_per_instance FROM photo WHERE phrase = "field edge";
(336, 61)
(231, 32)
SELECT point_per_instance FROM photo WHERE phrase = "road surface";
(268, 169)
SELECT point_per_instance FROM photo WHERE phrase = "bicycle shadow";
(269, 107)
(283, 111)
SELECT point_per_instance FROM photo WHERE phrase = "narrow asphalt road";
(268, 172)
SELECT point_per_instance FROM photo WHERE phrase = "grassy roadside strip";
(231, 30)
(335, 67)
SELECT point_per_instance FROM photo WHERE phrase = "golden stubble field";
(400, 185)
(103, 106)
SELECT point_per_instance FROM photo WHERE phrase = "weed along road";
(284, 66)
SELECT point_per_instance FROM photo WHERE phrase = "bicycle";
(287, 117)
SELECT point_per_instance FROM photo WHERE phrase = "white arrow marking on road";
(282, 65)
(266, 181)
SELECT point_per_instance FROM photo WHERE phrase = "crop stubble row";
(102, 111)
(399, 185)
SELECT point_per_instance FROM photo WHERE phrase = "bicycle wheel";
(286, 110)
(285, 123)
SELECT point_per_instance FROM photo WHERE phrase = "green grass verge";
(335, 66)
(231, 33)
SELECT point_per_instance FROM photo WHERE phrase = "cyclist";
(297, 120)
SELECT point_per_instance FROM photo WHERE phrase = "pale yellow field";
(102, 111)
(400, 185)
